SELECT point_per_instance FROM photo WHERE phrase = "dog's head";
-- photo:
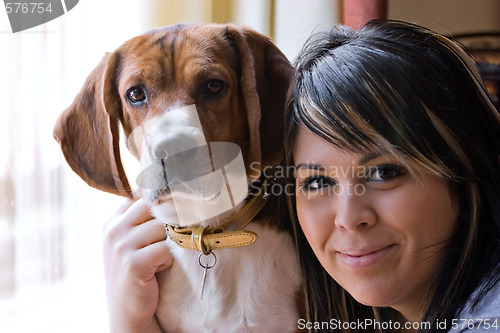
(236, 78)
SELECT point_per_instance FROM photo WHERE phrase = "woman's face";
(377, 229)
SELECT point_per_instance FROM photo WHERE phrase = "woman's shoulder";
(480, 314)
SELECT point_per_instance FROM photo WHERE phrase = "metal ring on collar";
(207, 266)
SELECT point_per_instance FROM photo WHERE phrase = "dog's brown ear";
(88, 131)
(265, 78)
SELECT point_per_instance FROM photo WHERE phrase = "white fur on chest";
(251, 288)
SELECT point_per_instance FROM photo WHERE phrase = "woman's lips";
(364, 258)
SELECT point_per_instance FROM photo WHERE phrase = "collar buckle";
(204, 240)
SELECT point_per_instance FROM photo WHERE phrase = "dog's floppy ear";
(265, 78)
(88, 131)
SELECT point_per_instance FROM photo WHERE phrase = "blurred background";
(51, 275)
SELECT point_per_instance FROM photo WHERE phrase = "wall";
(448, 16)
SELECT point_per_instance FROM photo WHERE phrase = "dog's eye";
(214, 87)
(136, 95)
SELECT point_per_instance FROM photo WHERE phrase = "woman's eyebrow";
(310, 166)
(368, 158)
(363, 160)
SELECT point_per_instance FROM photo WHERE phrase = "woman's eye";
(136, 95)
(384, 172)
(313, 184)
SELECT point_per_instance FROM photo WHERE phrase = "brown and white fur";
(238, 81)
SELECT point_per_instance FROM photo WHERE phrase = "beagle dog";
(235, 269)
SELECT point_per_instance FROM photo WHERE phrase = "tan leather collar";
(207, 239)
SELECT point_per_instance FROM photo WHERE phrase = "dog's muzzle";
(204, 179)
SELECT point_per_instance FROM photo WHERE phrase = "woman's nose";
(353, 208)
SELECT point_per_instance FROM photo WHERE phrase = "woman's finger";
(152, 259)
(126, 205)
(119, 226)
(147, 233)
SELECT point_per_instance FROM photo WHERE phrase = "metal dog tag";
(205, 267)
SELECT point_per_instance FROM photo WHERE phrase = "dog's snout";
(160, 151)
(171, 145)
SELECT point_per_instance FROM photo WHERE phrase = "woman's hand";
(134, 250)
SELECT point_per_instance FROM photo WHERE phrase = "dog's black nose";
(162, 148)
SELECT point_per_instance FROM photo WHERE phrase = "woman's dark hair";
(411, 92)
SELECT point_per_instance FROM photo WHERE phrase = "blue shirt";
(485, 317)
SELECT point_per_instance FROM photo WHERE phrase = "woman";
(396, 147)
